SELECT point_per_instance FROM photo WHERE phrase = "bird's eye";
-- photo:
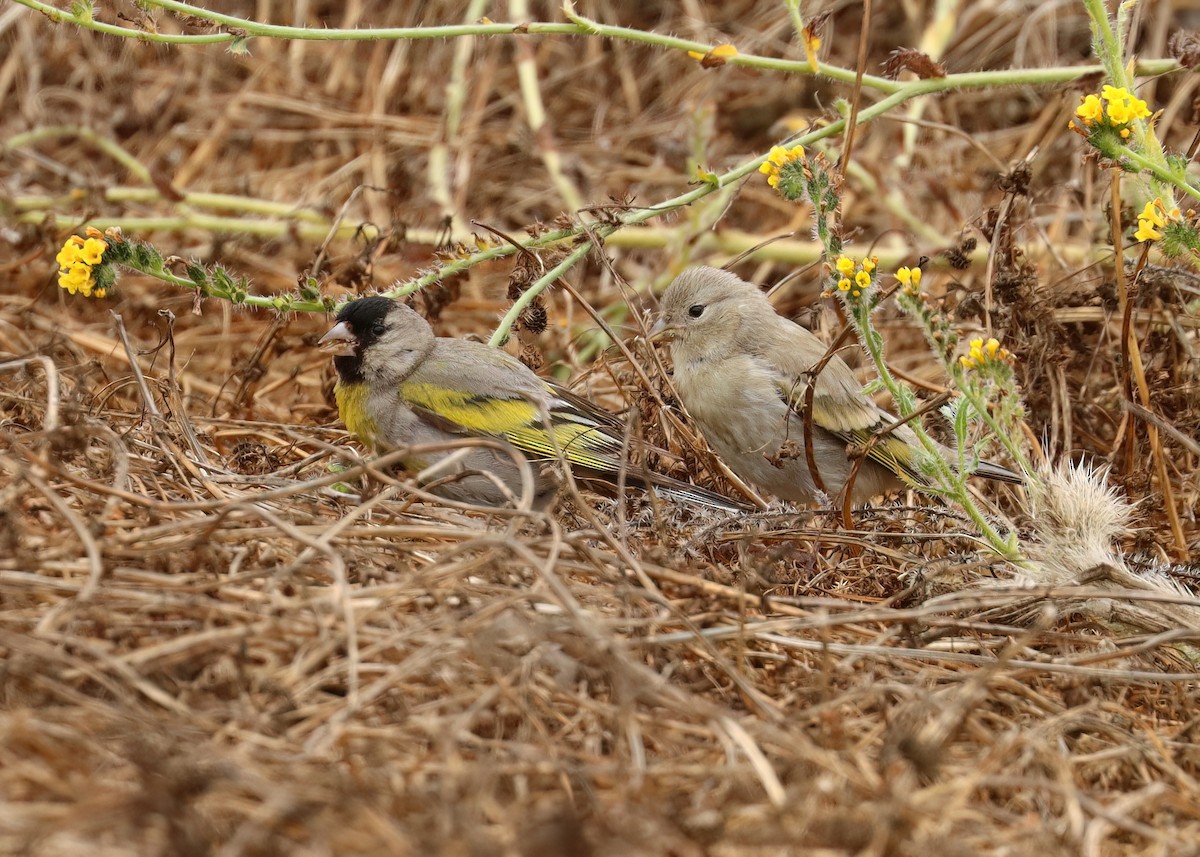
(377, 329)
(696, 310)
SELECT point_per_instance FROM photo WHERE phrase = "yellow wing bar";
(579, 438)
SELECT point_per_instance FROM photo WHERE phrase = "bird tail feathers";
(1001, 474)
(666, 486)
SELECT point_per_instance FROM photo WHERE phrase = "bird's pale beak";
(662, 330)
(342, 338)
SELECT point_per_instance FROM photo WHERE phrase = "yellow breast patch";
(352, 408)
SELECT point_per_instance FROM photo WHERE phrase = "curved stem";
(242, 28)
(1158, 168)
(543, 282)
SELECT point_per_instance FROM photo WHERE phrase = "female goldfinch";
(742, 372)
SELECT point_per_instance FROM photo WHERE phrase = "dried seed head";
(535, 318)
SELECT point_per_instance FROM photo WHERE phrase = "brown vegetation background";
(204, 653)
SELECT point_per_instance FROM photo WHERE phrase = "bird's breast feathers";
(354, 411)
(734, 400)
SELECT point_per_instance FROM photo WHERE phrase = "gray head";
(706, 309)
(380, 340)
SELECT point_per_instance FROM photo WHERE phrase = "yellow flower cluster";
(1115, 106)
(76, 261)
(909, 280)
(982, 353)
(854, 277)
(777, 160)
(1153, 218)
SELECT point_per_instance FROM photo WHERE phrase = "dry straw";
(210, 648)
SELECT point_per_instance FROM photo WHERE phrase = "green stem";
(951, 484)
(1106, 43)
(167, 277)
(872, 342)
(1159, 169)
(578, 26)
(110, 147)
(544, 282)
(59, 16)
(998, 543)
(308, 231)
(981, 409)
(793, 7)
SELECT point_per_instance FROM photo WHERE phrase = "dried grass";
(208, 651)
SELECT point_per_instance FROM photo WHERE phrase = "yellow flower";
(1123, 106)
(844, 284)
(76, 261)
(982, 352)
(1119, 112)
(844, 265)
(863, 279)
(1147, 232)
(1157, 211)
(1153, 218)
(77, 278)
(779, 158)
(1151, 212)
(1116, 105)
(909, 280)
(1091, 110)
(69, 254)
(869, 263)
(93, 251)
